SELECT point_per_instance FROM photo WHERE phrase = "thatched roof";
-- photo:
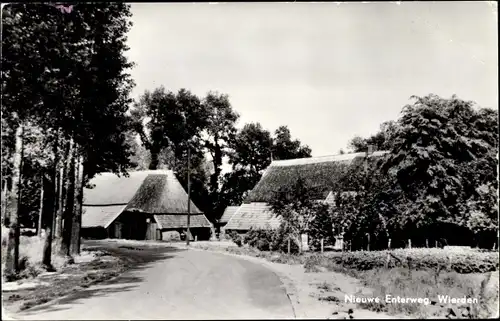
(100, 216)
(321, 173)
(256, 215)
(154, 192)
(167, 221)
(150, 192)
(110, 189)
(228, 213)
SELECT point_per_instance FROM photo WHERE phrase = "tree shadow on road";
(135, 258)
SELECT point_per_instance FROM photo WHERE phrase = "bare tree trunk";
(40, 212)
(58, 210)
(61, 193)
(12, 255)
(4, 201)
(69, 202)
(77, 217)
(50, 207)
(48, 219)
(155, 158)
(60, 205)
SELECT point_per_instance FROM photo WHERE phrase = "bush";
(260, 239)
(236, 238)
(421, 259)
(280, 241)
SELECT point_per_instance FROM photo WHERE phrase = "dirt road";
(177, 284)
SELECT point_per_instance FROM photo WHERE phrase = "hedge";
(462, 262)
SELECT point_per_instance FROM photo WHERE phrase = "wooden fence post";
(388, 259)
(40, 212)
(410, 265)
(427, 243)
(289, 245)
(409, 243)
(322, 245)
(368, 246)
(436, 243)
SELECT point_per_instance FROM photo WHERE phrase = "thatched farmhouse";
(321, 173)
(146, 205)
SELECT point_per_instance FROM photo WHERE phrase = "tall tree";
(251, 148)
(437, 142)
(252, 151)
(382, 140)
(154, 115)
(249, 155)
(166, 122)
(286, 148)
(235, 186)
(66, 74)
(12, 257)
(220, 131)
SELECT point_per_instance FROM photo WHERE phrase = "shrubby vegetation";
(438, 180)
(436, 185)
(415, 259)
(236, 238)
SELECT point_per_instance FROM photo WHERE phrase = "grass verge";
(65, 281)
(431, 275)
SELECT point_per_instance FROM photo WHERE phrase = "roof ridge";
(147, 171)
(317, 159)
(322, 159)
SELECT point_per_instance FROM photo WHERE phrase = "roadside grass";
(404, 283)
(30, 257)
(275, 257)
(66, 281)
(430, 274)
(90, 268)
(419, 281)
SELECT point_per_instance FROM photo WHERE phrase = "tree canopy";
(63, 75)
(440, 171)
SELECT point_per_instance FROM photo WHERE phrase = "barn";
(145, 205)
(321, 173)
(226, 216)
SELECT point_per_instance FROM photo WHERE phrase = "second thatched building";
(322, 174)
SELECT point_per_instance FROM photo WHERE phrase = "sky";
(328, 71)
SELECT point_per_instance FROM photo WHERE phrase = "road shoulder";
(305, 289)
